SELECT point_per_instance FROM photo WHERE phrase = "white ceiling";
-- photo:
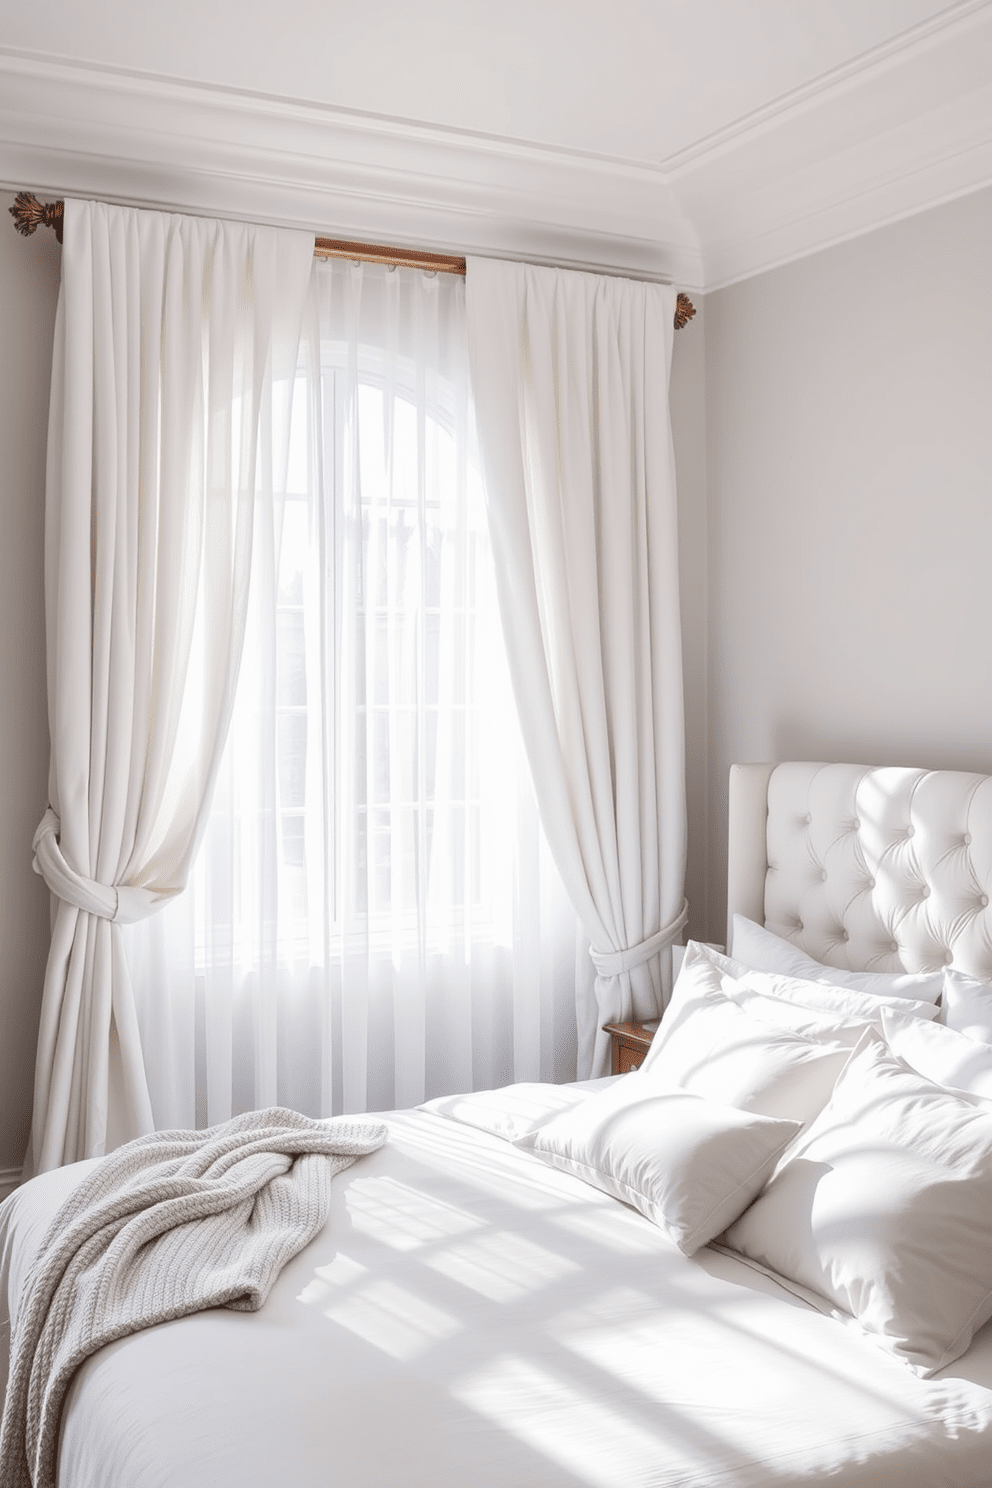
(701, 140)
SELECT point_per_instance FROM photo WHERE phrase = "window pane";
(291, 663)
(291, 748)
(292, 552)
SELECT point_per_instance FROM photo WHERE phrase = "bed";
(475, 1312)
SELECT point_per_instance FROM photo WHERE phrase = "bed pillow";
(883, 1210)
(940, 1054)
(514, 1110)
(966, 1005)
(822, 1027)
(686, 1163)
(840, 1004)
(711, 1045)
(759, 949)
(837, 1002)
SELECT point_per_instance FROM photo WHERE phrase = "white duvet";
(471, 1318)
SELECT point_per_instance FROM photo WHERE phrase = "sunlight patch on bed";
(330, 1281)
(403, 1218)
(500, 1265)
(609, 1305)
(567, 1424)
(392, 1319)
(624, 1342)
(679, 1363)
(598, 1222)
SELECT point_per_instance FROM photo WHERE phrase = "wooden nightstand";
(629, 1043)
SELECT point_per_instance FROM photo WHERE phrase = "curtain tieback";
(612, 963)
(121, 903)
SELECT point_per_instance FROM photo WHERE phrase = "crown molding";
(898, 132)
(894, 131)
(823, 88)
(84, 130)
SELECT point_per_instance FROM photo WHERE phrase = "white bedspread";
(469, 1318)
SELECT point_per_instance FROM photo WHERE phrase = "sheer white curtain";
(375, 917)
(172, 338)
(570, 373)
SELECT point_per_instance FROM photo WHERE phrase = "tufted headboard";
(865, 868)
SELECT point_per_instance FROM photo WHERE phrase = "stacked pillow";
(755, 947)
(883, 1210)
(822, 1123)
(966, 1006)
(689, 1164)
(940, 1054)
(965, 1002)
(670, 1138)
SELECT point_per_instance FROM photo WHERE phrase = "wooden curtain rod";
(29, 213)
(412, 258)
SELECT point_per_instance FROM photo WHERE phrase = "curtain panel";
(175, 339)
(375, 917)
(570, 373)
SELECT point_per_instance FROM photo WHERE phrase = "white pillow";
(837, 1002)
(514, 1110)
(759, 949)
(940, 1054)
(966, 1005)
(840, 1004)
(713, 1046)
(686, 1163)
(884, 1210)
(781, 1012)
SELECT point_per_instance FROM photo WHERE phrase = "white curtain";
(375, 917)
(570, 374)
(174, 335)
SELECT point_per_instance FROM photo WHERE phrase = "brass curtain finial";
(684, 311)
(28, 213)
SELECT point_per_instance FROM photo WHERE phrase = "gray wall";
(29, 270)
(849, 447)
(689, 423)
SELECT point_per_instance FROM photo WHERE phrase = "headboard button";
(893, 945)
(925, 892)
(910, 830)
(983, 900)
(871, 883)
(966, 839)
(823, 876)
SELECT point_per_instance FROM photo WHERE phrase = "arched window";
(374, 917)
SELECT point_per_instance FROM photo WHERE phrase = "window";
(374, 917)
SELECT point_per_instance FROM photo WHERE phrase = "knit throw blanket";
(165, 1226)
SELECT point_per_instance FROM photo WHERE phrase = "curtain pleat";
(570, 374)
(171, 334)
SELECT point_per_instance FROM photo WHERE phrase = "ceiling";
(698, 140)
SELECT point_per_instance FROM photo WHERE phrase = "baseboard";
(9, 1179)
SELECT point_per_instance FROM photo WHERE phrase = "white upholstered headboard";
(865, 868)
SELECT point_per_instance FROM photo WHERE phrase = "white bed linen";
(470, 1316)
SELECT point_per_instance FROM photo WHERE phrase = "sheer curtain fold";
(375, 917)
(570, 373)
(171, 337)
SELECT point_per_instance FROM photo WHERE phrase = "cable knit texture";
(165, 1226)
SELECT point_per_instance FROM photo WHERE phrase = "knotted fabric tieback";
(121, 903)
(612, 963)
